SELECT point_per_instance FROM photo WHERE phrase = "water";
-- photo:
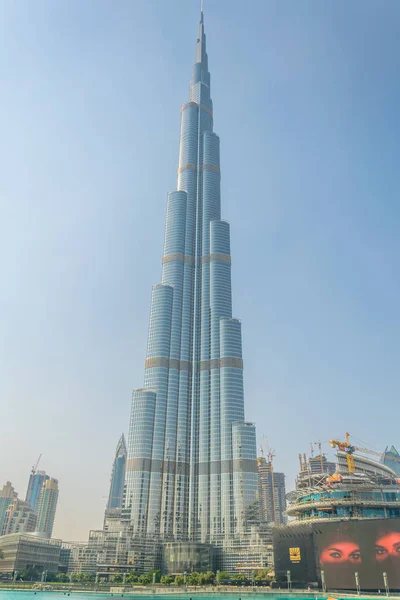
(242, 595)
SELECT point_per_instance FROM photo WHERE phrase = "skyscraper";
(272, 493)
(36, 481)
(391, 458)
(47, 506)
(118, 476)
(191, 471)
(18, 518)
(7, 495)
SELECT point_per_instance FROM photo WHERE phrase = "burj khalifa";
(191, 471)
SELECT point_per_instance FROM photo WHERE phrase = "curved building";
(371, 492)
(344, 527)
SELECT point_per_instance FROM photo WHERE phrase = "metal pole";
(289, 580)
(357, 578)
(323, 581)
(386, 582)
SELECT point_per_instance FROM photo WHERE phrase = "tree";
(30, 574)
(239, 577)
(263, 575)
(193, 578)
(62, 578)
(117, 578)
(207, 578)
(223, 576)
(145, 579)
(157, 574)
(179, 580)
(167, 579)
(132, 577)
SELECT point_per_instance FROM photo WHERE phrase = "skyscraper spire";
(201, 55)
(191, 471)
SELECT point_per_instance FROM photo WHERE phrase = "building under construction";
(344, 527)
(358, 487)
(272, 493)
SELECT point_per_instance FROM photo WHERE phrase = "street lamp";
(323, 581)
(357, 578)
(289, 580)
(386, 582)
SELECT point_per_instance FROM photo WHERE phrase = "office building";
(118, 476)
(18, 518)
(7, 495)
(22, 551)
(391, 458)
(272, 493)
(191, 471)
(36, 481)
(47, 506)
(73, 557)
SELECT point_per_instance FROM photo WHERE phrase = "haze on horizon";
(306, 100)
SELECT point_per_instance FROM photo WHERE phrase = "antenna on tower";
(202, 6)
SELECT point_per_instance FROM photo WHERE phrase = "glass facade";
(272, 493)
(118, 476)
(36, 481)
(191, 470)
(47, 506)
(391, 458)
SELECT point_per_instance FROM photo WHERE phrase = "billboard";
(294, 551)
(340, 549)
(367, 547)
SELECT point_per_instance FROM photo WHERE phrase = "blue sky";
(306, 98)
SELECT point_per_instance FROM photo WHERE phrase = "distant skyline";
(310, 186)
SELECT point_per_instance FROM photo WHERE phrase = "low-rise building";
(22, 551)
(73, 557)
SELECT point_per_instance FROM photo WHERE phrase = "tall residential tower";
(47, 506)
(191, 471)
(35, 485)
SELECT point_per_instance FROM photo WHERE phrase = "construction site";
(343, 529)
(354, 486)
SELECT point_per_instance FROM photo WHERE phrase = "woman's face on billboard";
(388, 545)
(340, 553)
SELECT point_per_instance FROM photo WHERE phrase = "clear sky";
(306, 98)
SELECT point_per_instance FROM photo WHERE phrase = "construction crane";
(348, 448)
(34, 468)
(375, 453)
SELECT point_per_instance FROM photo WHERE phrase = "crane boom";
(350, 449)
(34, 468)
